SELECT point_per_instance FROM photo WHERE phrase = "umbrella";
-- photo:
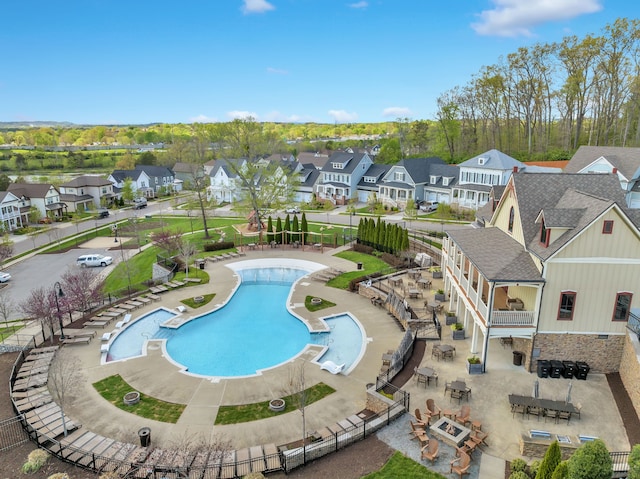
(568, 398)
(536, 389)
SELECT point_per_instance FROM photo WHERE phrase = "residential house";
(208, 167)
(404, 183)
(140, 182)
(10, 218)
(624, 162)
(161, 179)
(307, 178)
(43, 196)
(225, 184)
(188, 172)
(316, 159)
(479, 174)
(370, 183)
(340, 176)
(87, 192)
(556, 270)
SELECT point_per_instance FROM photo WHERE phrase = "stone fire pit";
(131, 398)
(277, 405)
(450, 431)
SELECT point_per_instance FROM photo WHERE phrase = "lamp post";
(57, 292)
(114, 228)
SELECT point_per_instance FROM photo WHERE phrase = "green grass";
(9, 329)
(114, 388)
(317, 307)
(370, 264)
(400, 465)
(256, 411)
(192, 304)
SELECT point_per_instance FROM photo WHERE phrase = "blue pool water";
(252, 331)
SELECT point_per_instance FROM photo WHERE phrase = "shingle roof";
(153, 170)
(29, 190)
(444, 171)
(562, 217)
(86, 180)
(351, 161)
(494, 160)
(121, 175)
(626, 160)
(420, 168)
(496, 254)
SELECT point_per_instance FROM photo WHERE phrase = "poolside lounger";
(179, 283)
(153, 297)
(119, 324)
(96, 323)
(332, 367)
(154, 289)
(110, 314)
(46, 349)
(142, 299)
(106, 337)
(126, 319)
(272, 457)
(135, 304)
(77, 340)
(104, 348)
(193, 280)
(128, 307)
(182, 309)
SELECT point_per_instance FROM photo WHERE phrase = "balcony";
(500, 318)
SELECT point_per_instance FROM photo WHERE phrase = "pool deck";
(153, 374)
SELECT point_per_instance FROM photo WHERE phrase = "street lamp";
(114, 228)
(351, 215)
(57, 292)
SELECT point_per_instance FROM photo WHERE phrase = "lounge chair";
(422, 421)
(464, 415)
(332, 367)
(432, 409)
(153, 297)
(181, 308)
(461, 464)
(418, 432)
(430, 451)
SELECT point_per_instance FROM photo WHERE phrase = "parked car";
(429, 206)
(4, 277)
(139, 203)
(94, 260)
(292, 210)
(103, 214)
(45, 221)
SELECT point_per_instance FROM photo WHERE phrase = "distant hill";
(11, 125)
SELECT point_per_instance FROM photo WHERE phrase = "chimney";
(515, 169)
(615, 171)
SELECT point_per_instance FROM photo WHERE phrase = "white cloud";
(343, 116)
(362, 4)
(256, 6)
(277, 71)
(202, 119)
(511, 18)
(281, 117)
(396, 112)
(241, 115)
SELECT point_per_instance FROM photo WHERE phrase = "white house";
(140, 182)
(45, 197)
(225, 185)
(10, 218)
(340, 176)
(87, 192)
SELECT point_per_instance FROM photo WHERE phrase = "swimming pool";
(253, 331)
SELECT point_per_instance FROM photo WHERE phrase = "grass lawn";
(192, 304)
(317, 307)
(370, 264)
(260, 410)
(114, 388)
(400, 465)
(9, 329)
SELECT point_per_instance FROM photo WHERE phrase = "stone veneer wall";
(602, 355)
(159, 274)
(537, 447)
(630, 369)
(376, 402)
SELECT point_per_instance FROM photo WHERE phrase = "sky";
(326, 61)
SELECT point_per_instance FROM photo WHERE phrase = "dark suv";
(103, 214)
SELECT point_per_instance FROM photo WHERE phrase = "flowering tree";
(82, 289)
(40, 305)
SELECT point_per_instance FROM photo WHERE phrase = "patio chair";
(551, 414)
(420, 378)
(418, 431)
(518, 409)
(422, 422)
(432, 409)
(535, 411)
(461, 464)
(430, 451)
(564, 415)
(456, 394)
(479, 437)
(464, 415)
(578, 408)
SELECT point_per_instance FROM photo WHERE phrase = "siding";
(501, 220)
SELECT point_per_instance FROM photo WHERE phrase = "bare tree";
(65, 378)
(7, 307)
(190, 446)
(296, 388)
(187, 250)
(82, 289)
(40, 305)
(6, 249)
(34, 234)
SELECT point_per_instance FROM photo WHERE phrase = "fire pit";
(450, 431)
(316, 301)
(277, 405)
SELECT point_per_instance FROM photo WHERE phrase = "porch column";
(474, 337)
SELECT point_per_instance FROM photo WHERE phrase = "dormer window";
(445, 181)
(481, 161)
(398, 176)
(337, 166)
(607, 227)
(544, 234)
(433, 179)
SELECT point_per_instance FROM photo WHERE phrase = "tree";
(146, 158)
(590, 461)
(5, 181)
(169, 241)
(296, 389)
(187, 250)
(40, 305)
(634, 463)
(551, 459)
(305, 228)
(270, 229)
(6, 249)
(127, 190)
(196, 156)
(7, 307)
(561, 471)
(65, 378)
(34, 214)
(126, 161)
(82, 288)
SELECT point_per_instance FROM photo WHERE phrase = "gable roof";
(223, 164)
(153, 170)
(317, 159)
(350, 160)
(419, 168)
(493, 160)
(626, 160)
(8, 196)
(30, 190)
(541, 192)
(121, 175)
(444, 171)
(86, 180)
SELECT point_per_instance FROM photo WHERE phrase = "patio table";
(428, 373)
(424, 283)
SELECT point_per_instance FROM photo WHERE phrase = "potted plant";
(440, 296)
(474, 365)
(457, 331)
(437, 273)
(450, 318)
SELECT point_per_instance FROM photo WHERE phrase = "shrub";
(35, 461)
(518, 465)
(590, 461)
(561, 471)
(362, 248)
(218, 246)
(457, 327)
(551, 459)
(474, 360)
(519, 475)
(392, 260)
(634, 463)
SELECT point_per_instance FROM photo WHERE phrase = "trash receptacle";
(517, 358)
(543, 368)
(556, 368)
(359, 265)
(145, 436)
(582, 369)
(201, 263)
(569, 369)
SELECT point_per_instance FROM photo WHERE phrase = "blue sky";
(137, 61)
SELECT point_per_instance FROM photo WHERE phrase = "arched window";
(512, 214)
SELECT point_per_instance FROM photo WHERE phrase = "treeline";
(383, 236)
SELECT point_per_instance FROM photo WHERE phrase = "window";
(544, 235)
(512, 214)
(445, 181)
(607, 227)
(337, 166)
(398, 176)
(567, 306)
(623, 306)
